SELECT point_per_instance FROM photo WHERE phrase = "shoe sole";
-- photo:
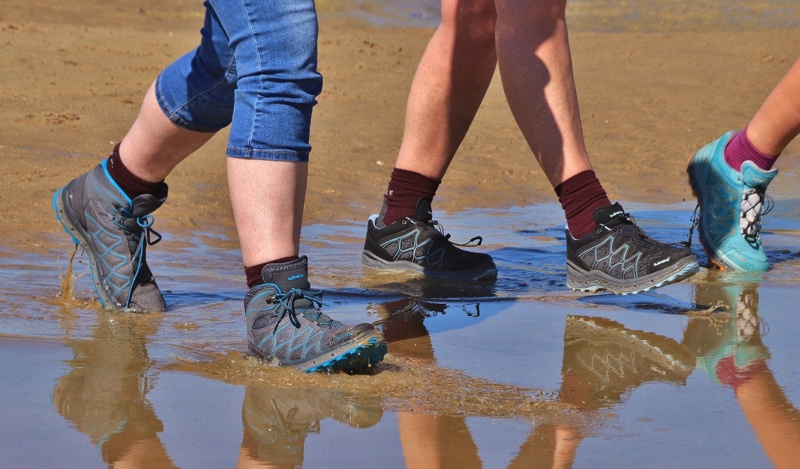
(352, 357)
(473, 275)
(79, 237)
(595, 281)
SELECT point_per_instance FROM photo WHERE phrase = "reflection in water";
(603, 360)
(277, 420)
(105, 393)
(428, 440)
(730, 350)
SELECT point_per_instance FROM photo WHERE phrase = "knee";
(472, 21)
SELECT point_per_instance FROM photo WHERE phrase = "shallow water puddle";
(514, 372)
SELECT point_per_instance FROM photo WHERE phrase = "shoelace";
(146, 224)
(475, 241)
(695, 219)
(755, 204)
(626, 219)
(286, 306)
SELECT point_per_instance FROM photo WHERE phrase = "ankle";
(741, 149)
(580, 196)
(405, 190)
(132, 185)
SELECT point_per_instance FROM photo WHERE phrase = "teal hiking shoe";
(285, 325)
(731, 204)
(114, 231)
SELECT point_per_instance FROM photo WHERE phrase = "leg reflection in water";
(603, 362)
(105, 393)
(732, 353)
(428, 440)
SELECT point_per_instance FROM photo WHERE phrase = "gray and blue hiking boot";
(731, 204)
(285, 325)
(417, 245)
(618, 256)
(114, 231)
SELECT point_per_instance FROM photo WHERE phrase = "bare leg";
(154, 145)
(268, 215)
(777, 122)
(451, 80)
(536, 68)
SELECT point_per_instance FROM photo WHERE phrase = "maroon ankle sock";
(405, 190)
(741, 149)
(133, 185)
(253, 273)
(580, 196)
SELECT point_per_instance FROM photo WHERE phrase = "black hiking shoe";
(416, 245)
(618, 256)
(285, 325)
(114, 231)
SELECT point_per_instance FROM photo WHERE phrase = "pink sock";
(740, 149)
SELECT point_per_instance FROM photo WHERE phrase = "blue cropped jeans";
(255, 69)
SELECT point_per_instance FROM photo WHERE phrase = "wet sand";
(516, 372)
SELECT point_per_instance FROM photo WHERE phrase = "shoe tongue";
(287, 275)
(755, 177)
(604, 215)
(424, 212)
(146, 204)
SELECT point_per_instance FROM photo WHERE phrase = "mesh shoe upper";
(619, 256)
(284, 322)
(731, 205)
(115, 231)
(417, 245)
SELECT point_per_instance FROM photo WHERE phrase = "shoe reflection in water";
(603, 362)
(277, 420)
(105, 393)
(731, 352)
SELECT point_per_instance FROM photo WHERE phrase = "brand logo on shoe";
(296, 277)
(616, 214)
(662, 261)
